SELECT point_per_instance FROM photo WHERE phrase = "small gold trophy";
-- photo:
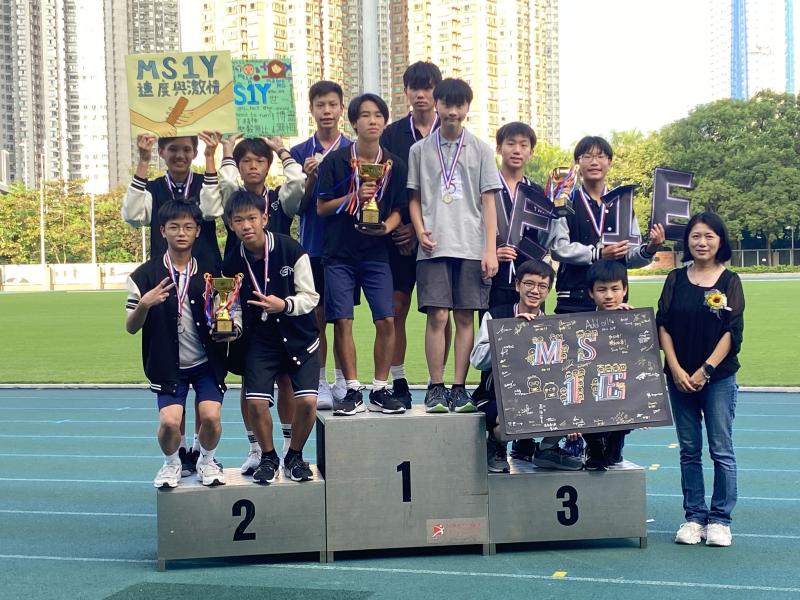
(221, 307)
(370, 213)
(560, 184)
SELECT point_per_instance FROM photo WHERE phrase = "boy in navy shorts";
(280, 332)
(166, 301)
(356, 256)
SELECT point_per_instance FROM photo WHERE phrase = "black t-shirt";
(694, 328)
(343, 243)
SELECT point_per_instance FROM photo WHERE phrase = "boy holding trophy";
(361, 193)
(166, 300)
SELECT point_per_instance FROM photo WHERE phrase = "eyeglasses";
(530, 285)
(601, 156)
(177, 228)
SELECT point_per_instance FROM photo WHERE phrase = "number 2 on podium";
(249, 510)
(405, 468)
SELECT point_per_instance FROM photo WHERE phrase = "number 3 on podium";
(569, 495)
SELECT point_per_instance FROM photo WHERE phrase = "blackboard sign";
(586, 372)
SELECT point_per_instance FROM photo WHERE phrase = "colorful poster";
(264, 97)
(180, 93)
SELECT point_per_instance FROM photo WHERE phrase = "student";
(419, 80)
(533, 281)
(245, 165)
(280, 332)
(576, 240)
(452, 177)
(327, 105)
(359, 258)
(515, 144)
(140, 207)
(166, 301)
(607, 286)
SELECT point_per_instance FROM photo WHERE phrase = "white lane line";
(46, 480)
(736, 446)
(75, 514)
(86, 422)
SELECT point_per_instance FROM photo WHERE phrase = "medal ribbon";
(181, 292)
(171, 185)
(414, 129)
(331, 148)
(253, 279)
(449, 175)
(350, 202)
(598, 227)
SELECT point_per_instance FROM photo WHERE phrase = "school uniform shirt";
(312, 226)
(288, 277)
(343, 243)
(165, 351)
(457, 227)
(282, 203)
(575, 243)
(144, 198)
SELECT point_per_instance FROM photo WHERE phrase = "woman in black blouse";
(700, 324)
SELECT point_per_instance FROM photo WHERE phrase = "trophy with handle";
(370, 212)
(222, 295)
(561, 182)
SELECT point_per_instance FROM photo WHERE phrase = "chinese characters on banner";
(264, 97)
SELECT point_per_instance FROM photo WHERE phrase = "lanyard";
(330, 149)
(172, 186)
(414, 128)
(449, 174)
(598, 227)
(253, 278)
(180, 291)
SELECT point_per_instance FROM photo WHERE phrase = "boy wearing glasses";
(534, 279)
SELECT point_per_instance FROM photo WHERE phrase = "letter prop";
(620, 201)
(666, 207)
(532, 212)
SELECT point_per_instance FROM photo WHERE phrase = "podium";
(403, 481)
(544, 505)
(241, 518)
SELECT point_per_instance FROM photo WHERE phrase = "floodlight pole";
(41, 208)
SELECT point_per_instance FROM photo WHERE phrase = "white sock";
(323, 375)
(352, 384)
(172, 459)
(196, 444)
(206, 456)
(397, 372)
(377, 384)
(338, 378)
(183, 442)
(251, 437)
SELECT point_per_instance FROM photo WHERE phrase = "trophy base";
(370, 226)
(223, 327)
(563, 211)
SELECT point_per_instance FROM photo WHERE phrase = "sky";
(625, 64)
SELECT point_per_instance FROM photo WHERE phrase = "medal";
(253, 280)
(180, 328)
(449, 174)
(181, 292)
(320, 156)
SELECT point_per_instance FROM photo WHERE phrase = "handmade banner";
(578, 372)
(532, 212)
(180, 93)
(666, 208)
(620, 200)
(264, 97)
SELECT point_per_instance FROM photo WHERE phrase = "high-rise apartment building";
(367, 43)
(545, 86)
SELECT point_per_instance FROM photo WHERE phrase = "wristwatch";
(708, 370)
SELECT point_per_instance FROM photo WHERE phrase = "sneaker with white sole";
(324, 396)
(297, 469)
(352, 403)
(168, 475)
(250, 464)
(718, 534)
(210, 473)
(690, 533)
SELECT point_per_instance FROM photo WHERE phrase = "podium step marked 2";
(403, 481)
(543, 505)
(241, 518)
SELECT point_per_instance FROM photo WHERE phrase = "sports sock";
(196, 444)
(338, 378)
(352, 384)
(377, 384)
(206, 456)
(251, 437)
(397, 372)
(183, 442)
(172, 459)
(290, 453)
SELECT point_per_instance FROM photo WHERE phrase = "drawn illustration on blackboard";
(550, 391)
(519, 327)
(611, 382)
(572, 392)
(586, 337)
(534, 384)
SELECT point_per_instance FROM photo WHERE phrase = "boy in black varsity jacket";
(533, 281)
(166, 301)
(281, 334)
(245, 165)
(576, 241)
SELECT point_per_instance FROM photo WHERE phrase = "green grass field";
(79, 337)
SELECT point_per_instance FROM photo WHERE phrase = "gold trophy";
(560, 184)
(221, 307)
(370, 213)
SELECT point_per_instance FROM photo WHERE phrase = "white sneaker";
(690, 533)
(324, 396)
(210, 473)
(168, 475)
(718, 534)
(339, 390)
(251, 462)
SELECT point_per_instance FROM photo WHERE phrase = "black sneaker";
(188, 466)
(352, 403)
(461, 401)
(556, 458)
(437, 399)
(401, 392)
(523, 450)
(596, 459)
(496, 457)
(383, 400)
(297, 469)
(267, 468)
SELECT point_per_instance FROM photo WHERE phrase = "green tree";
(546, 157)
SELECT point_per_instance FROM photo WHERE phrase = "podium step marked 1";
(241, 518)
(403, 481)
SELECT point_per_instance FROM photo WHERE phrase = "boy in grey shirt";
(452, 178)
